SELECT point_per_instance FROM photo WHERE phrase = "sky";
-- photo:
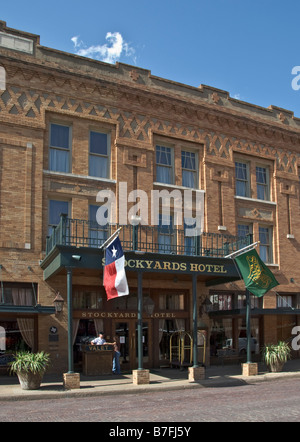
(250, 48)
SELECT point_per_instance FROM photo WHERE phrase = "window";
(2, 78)
(221, 302)
(87, 300)
(171, 301)
(97, 233)
(99, 154)
(242, 181)
(262, 183)
(56, 208)
(191, 240)
(165, 234)
(189, 169)
(60, 138)
(19, 296)
(265, 249)
(243, 230)
(164, 165)
(285, 301)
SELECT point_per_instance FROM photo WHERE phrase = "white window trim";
(244, 198)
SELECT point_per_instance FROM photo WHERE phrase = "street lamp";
(58, 302)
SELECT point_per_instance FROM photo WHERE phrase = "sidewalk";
(160, 380)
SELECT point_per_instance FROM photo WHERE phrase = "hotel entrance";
(126, 332)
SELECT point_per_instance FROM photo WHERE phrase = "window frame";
(266, 185)
(194, 171)
(51, 225)
(170, 167)
(59, 148)
(268, 247)
(247, 181)
(98, 155)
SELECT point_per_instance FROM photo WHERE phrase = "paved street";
(276, 401)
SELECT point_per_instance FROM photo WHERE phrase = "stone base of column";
(196, 374)
(71, 381)
(250, 369)
(141, 377)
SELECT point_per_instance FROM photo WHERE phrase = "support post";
(196, 373)
(71, 380)
(140, 376)
(70, 321)
(250, 368)
(140, 320)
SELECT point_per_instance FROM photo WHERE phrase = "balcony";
(146, 239)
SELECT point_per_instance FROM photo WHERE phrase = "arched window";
(2, 78)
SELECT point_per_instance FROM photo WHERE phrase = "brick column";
(141, 377)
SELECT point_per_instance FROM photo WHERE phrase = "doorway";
(127, 332)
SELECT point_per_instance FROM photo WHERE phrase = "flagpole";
(109, 240)
(248, 299)
(248, 325)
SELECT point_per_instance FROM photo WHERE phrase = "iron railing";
(165, 240)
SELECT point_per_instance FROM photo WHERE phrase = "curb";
(238, 381)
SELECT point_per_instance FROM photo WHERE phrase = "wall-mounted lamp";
(76, 257)
(58, 302)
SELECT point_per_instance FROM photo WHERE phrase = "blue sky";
(247, 48)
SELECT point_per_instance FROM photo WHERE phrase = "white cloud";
(109, 52)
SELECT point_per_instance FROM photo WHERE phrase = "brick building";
(71, 127)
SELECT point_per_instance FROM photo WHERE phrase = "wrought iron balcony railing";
(165, 240)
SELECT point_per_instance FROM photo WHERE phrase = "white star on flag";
(114, 252)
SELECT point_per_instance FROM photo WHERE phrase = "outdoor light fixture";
(76, 257)
(58, 302)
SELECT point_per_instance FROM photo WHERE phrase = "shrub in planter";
(30, 368)
(276, 355)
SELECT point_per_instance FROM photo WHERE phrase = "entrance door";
(127, 333)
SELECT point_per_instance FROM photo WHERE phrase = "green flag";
(256, 275)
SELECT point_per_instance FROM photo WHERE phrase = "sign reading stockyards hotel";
(173, 266)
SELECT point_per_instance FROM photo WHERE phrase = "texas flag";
(115, 281)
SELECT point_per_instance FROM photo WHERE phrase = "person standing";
(100, 340)
(116, 360)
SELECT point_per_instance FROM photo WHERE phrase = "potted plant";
(30, 368)
(276, 355)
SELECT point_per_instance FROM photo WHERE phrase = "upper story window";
(97, 234)
(99, 154)
(60, 146)
(262, 183)
(164, 165)
(286, 301)
(56, 209)
(266, 247)
(244, 230)
(189, 169)
(242, 179)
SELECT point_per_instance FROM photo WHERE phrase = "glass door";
(127, 333)
(122, 330)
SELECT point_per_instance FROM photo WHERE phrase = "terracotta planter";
(30, 381)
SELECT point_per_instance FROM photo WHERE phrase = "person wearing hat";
(100, 340)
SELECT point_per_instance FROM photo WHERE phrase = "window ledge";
(174, 186)
(84, 177)
(254, 200)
